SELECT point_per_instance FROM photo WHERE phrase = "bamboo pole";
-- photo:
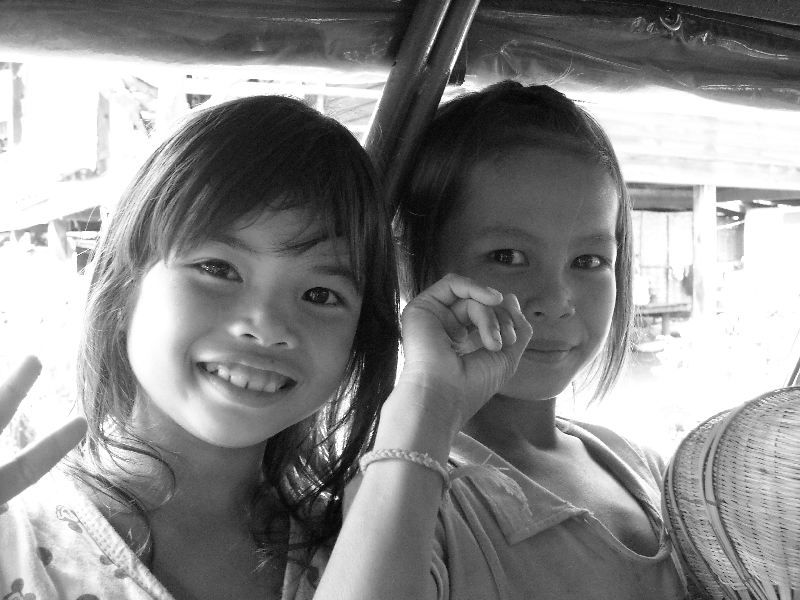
(414, 88)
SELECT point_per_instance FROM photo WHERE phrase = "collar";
(523, 508)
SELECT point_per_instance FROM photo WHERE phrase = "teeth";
(248, 378)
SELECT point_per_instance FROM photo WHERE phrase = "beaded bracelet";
(410, 456)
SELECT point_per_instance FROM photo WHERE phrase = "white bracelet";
(410, 456)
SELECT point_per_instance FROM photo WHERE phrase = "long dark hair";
(225, 163)
(484, 125)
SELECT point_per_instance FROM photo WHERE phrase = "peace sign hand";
(463, 340)
(30, 465)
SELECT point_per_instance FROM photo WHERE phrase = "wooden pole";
(704, 262)
(103, 135)
(17, 94)
(57, 240)
(415, 85)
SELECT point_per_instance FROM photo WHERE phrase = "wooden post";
(103, 135)
(17, 94)
(57, 239)
(704, 263)
(426, 57)
(172, 103)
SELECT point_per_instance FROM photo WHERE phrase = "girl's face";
(541, 224)
(238, 339)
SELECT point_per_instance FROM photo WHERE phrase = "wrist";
(419, 417)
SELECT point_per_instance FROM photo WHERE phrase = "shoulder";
(39, 526)
(63, 543)
(637, 456)
(36, 505)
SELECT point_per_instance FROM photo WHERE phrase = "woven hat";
(731, 500)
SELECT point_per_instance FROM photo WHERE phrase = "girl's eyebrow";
(600, 238)
(234, 242)
(237, 243)
(592, 238)
(334, 270)
(338, 270)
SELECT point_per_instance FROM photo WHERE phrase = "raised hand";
(27, 467)
(465, 340)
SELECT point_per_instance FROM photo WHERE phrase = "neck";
(209, 479)
(505, 424)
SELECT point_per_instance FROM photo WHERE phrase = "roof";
(739, 50)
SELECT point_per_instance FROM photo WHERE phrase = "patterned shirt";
(55, 544)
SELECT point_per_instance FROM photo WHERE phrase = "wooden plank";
(17, 94)
(103, 134)
(704, 262)
(57, 240)
(682, 171)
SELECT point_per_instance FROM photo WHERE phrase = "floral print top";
(55, 544)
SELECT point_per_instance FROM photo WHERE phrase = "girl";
(240, 336)
(519, 189)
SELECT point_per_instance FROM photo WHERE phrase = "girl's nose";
(551, 299)
(268, 323)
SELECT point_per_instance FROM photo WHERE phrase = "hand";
(27, 468)
(463, 340)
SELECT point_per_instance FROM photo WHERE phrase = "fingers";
(16, 386)
(461, 305)
(472, 315)
(451, 288)
(483, 320)
(518, 331)
(29, 466)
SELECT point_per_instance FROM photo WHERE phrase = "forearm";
(384, 550)
(385, 547)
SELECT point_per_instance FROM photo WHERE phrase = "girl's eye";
(507, 256)
(218, 269)
(321, 295)
(589, 261)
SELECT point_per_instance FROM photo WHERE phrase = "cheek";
(606, 302)
(160, 324)
(598, 306)
(330, 345)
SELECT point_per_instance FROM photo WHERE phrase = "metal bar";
(445, 53)
(404, 79)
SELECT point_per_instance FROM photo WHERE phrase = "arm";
(385, 547)
(27, 468)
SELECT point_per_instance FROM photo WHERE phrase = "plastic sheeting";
(623, 45)
(581, 44)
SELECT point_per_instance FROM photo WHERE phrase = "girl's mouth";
(249, 378)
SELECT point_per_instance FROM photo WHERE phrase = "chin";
(532, 391)
(224, 439)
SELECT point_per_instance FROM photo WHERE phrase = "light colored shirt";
(502, 536)
(55, 544)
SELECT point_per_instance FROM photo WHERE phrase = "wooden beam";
(415, 85)
(57, 240)
(704, 262)
(103, 134)
(17, 94)
(677, 170)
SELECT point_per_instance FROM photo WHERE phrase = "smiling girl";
(519, 189)
(240, 336)
(240, 340)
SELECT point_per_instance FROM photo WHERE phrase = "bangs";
(215, 185)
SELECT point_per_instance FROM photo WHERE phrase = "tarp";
(746, 56)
